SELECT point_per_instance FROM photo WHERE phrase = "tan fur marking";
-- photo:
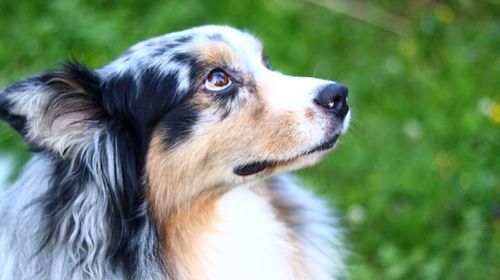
(310, 114)
(281, 133)
(201, 101)
(182, 235)
(217, 53)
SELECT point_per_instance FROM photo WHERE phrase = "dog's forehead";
(162, 51)
(234, 37)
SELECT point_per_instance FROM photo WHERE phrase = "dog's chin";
(303, 159)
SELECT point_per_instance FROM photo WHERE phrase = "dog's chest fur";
(251, 233)
(245, 241)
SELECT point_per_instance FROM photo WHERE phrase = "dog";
(170, 163)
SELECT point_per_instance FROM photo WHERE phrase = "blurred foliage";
(418, 176)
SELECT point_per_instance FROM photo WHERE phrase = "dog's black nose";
(333, 97)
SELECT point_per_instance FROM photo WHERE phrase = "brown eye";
(217, 80)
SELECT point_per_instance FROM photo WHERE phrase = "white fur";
(17, 226)
(346, 122)
(320, 233)
(248, 242)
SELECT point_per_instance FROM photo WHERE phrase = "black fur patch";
(139, 103)
(65, 187)
(183, 58)
(184, 39)
(178, 123)
(215, 37)
(16, 121)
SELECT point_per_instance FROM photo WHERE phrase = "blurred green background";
(416, 180)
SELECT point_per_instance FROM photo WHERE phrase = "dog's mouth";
(258, 166)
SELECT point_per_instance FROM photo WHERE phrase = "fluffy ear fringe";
(57, 110)
(77, 90)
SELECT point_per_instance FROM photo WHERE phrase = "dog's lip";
(258, 166)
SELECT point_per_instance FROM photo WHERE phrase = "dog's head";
(199, 109)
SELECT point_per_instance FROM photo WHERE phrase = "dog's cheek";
(254, 134)
(178, 125)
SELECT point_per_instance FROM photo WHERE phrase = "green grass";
(417, 179)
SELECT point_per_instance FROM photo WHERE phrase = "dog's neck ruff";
(242, 240)
(263, 231)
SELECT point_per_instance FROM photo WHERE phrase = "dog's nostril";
(334, 98)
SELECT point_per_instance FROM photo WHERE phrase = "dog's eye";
(217, 80)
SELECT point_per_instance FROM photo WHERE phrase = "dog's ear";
(56, 111)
